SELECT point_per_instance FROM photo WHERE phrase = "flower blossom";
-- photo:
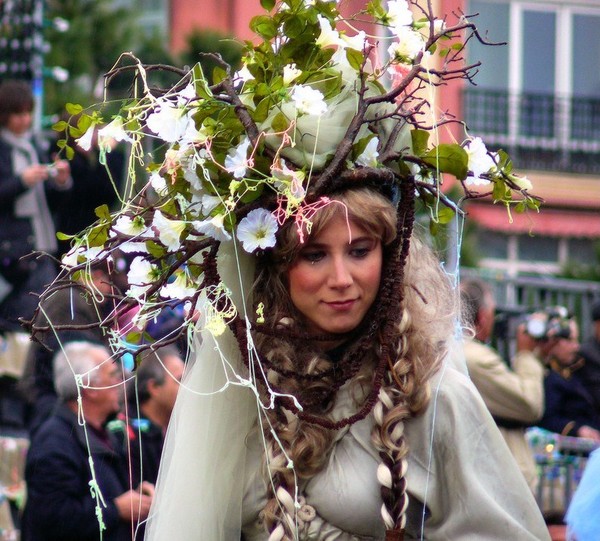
(179, 288)
(328, 36)
(93, 253)
(159, 184)
(399, 13)
(133, 227)
(237, 161)
(113, 131)
(169, 231)
(290, 73)
(140, 277)
(168, 121)
(85, 141)
(289, 182)
(480, 161)
(408, 46)
(213, 227)
(369, 155)
(257, 230)
(308, 100)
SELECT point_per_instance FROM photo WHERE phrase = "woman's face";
(335, 277)
(19, 123)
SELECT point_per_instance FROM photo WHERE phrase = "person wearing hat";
(590, 353)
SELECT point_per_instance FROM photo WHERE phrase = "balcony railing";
(540, 131)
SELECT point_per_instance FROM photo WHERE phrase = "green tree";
(98, 33)
(201, 41)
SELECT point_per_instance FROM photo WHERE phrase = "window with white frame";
(542, 89)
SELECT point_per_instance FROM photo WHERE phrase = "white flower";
(408, 46)
(168, 121)
(132, 247)
(257, 230)
(158, 183)
(209, 203)
(355, 42)
(186, 95)
(71, 259)
(290, 73)
(169, 231)
(328, 36)
(439, 25)
(369, 155)
(85, 141)
(522, 182)
(289, 182)
(133, 227)
(178, 288)
(480, 162)
(140, 277)
(308, 100)
(236, 161)
(243, 75)
(213, 227)
(399, 13)
(113, 131)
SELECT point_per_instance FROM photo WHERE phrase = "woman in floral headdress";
(321, 402)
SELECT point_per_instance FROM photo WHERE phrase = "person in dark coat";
(569, 406)
(590, 353)
(70, 497)
(30, 187)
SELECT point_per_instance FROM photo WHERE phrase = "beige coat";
(515, 394)
(462, 481)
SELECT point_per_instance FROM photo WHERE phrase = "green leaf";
(102, 212)
(69, 152)
(448, 158)
(154, 249)
(264, 26)
(61, 125)
(280, 123)
(98, 235)
(445, 215)
(63, 236)
(218, 75)
(267, 4)
(73, 108)
(355, 58)
(294, 27)
(420, 140)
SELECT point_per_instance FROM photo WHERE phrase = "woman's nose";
(340, 275)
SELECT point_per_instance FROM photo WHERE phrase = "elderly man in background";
(513, 394)
(77, 479)
(151, 395)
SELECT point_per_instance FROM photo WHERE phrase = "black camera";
(554, 322)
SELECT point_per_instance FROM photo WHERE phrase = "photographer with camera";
(513, 394)
(570, 408)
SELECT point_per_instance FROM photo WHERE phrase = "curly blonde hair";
(396, 363)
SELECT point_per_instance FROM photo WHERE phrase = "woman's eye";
(312, 257)
(362, 251)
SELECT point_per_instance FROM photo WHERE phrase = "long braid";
(403, 396)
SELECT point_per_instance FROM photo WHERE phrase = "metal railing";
(540, 131)
(519, 295)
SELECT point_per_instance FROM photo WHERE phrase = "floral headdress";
(313, 107)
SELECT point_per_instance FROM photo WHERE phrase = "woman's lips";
(341, 306)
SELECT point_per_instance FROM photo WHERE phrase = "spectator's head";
(564, 350)
(478, 307)
(596, 318)
(157, 379)
(87, 369)
(16, 106)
